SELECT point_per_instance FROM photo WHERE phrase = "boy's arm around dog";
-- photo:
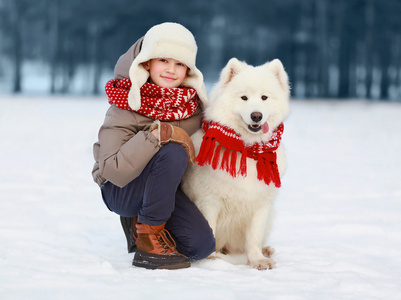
(125, 144)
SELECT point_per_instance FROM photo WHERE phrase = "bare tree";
(15, 11)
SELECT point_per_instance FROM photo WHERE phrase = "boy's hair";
(166, 40)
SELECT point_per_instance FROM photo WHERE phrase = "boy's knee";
(201, 246)
(175, 155)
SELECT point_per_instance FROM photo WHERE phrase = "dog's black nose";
(256, 116)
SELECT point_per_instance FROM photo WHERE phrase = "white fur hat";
(166, 40)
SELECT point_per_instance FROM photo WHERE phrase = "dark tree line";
(330, 48)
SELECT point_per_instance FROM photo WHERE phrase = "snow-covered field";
(337, 231)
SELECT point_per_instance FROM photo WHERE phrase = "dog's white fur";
(239, 210)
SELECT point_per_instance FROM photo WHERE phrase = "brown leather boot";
(156, 249)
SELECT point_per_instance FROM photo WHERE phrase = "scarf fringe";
(209, 154)
(206, 154)
(266, 165)
(216, 157)
(225, 162)
(267, 169)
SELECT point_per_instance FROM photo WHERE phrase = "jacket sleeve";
(125, 147)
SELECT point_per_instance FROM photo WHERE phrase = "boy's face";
(166, 72)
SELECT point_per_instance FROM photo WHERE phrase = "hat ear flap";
(139, 76)
(233, 67)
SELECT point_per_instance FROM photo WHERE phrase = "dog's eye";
(264, 97)
(244, 98)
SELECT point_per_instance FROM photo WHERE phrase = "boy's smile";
(166, 72)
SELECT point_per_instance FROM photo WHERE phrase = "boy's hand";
(166, 133)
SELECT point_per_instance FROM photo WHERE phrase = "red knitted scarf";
(227, 138)
(166, 104)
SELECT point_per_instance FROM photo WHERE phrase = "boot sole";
(149, 266)
(144, 260)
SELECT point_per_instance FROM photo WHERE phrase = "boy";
(144, 147)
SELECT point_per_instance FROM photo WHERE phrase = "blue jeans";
(156, 198)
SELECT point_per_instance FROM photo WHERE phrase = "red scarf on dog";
(166, 104)
(263, 153)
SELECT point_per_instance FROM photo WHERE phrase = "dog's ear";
(233, 67)
(276, 67)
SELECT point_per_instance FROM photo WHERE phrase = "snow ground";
(336, 232)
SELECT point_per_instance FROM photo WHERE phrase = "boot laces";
(166, 241)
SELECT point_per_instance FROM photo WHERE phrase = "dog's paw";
(268, 251)
(263, 264)
(212, 256)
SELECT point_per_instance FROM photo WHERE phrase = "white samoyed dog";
(240, 159)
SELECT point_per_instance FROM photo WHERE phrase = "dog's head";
(251, 100)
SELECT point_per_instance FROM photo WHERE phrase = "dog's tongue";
(265, 128)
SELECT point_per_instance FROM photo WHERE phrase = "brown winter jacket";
(125, 145)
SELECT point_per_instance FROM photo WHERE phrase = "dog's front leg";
(211, 210)
(255, 237)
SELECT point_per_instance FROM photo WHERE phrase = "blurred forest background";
(330, 48)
